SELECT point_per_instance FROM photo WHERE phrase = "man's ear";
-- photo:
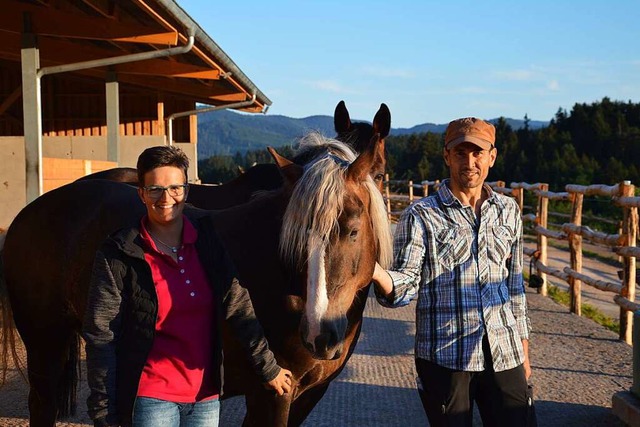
(445, 154)
(141, 194)
(493, 156)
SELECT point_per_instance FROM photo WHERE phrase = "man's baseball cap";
(470, 129)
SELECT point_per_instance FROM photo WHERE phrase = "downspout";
(31, 195)
(240, 104)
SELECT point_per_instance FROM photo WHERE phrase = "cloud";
(516, 75)
(386, 72)
(553, 85)
(330, 86)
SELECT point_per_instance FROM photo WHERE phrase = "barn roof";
(71, 31)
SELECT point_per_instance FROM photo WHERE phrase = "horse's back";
(50, 245)
(126, 175)
(261, 177)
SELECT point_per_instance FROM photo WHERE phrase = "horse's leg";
(266, 409)
(304, 404)
(52, 371)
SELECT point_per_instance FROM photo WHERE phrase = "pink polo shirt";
(180, 365)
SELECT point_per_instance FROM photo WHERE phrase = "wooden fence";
(623, 243)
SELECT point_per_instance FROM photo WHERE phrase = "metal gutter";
(119, 59)
(229, 66)
(240, 104)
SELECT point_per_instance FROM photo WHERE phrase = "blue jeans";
(150, 412)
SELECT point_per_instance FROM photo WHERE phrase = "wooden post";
(519, 195)
(541, 216)
(410, 191)
(628, 291)
(425, 189)
(386, 192)
(575, 251)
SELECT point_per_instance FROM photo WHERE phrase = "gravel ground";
(577, 367)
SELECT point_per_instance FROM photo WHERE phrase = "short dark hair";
(163, 155)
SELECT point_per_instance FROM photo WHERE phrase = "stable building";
(86, 85)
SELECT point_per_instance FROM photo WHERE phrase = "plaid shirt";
(467, 275)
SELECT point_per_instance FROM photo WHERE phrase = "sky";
(430, 61)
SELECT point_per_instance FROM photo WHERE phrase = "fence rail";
(623, 243)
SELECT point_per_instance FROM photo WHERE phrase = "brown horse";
(266, 176)
(332, 218)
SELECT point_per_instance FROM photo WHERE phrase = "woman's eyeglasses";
(156, 191)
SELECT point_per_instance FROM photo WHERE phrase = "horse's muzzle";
(327, 345)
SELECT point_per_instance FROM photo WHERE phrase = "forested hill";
(228, 132)
(596, 143)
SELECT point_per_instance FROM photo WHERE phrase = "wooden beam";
(205, 56)
(105, 8)
(56, 52)
(48, 21)
(233, 97)
(13, 97)
(159, 67)
(183, 87)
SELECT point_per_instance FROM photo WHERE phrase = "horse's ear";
(290, 171)
(360, 168)
(341, 120)
(382, 121)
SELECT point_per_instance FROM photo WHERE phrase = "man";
(460, 251)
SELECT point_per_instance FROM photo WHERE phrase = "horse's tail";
(68, 396)
(7, 330)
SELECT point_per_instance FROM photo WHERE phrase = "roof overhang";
(70, 31)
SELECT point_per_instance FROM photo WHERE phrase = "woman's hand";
(282, 383)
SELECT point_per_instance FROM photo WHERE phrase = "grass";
(588, 311)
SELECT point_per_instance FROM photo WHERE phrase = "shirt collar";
(189, 232)
(448, 199)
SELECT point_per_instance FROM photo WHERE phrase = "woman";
(159, 293)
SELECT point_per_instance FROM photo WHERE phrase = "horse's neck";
(253, 226)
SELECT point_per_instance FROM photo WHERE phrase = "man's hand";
(526, 364)
(382, 281)
(281, 383)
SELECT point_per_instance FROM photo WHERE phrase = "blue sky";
(430, 61)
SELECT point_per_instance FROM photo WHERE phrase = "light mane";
(317, 202)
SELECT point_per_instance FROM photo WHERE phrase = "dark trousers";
(448, 396)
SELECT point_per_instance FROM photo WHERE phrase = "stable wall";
(12, 159)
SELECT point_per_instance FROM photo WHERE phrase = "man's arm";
(526, 364)
(517, 292)
(398, 286)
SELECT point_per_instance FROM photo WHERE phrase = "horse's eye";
(379, 177)
(353, 234)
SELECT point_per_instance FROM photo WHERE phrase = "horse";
(305, 252)
(266, 176)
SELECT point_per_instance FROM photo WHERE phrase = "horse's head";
(335, 226)
(358, 135)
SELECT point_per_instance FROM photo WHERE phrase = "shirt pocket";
(501, 239)
(453, 246)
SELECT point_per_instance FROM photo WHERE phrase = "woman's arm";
(100, 332)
